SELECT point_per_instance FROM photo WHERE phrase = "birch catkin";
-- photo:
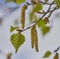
(23, 16)
(34, 38)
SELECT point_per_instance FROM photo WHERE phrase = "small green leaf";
(47, 54)
(17, 40)
(10, 0)
(16, 1)
(41, 23)
(56, 56)
(13, 28)
(19, 1)
(38, 7)
(45, 30)
(58, 2)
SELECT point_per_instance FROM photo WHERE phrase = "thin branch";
(41, 17)
(41, 2)
(58, 48)
(52, 12)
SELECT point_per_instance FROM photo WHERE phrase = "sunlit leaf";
(45, 30)
(13, 28)
(38, 7)
(47, 54)
(56, 56)
(10, 0)
(17, 40)
(19, 1)
(58, 2)
(41, 23)
(16, 1)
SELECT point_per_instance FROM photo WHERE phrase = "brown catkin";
(23, 16)
(34, 38)
(56, 56)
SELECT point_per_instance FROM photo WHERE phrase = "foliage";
(58, 2)
(16, 1)
(38, 7)
(18, 39)
(41, 23)
(45, 30)
(13, 28)
(47, 54)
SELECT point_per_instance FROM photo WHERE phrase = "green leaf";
(45, 30)
(10, 0)
(20, 1)
(41, 23)
(17, 40)
(47, 54)
(58, 2)
(56, 56)
(38, 7)
(13, 28)
(16, 1)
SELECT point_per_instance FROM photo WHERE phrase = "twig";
(41, 2)
(58, 48)
(41, 17)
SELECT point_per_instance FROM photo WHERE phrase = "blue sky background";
(50, 42)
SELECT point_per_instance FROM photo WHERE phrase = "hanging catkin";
(34, 38)
(23, 16)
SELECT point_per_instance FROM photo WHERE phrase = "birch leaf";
(57, 2)
(41, 23)
(17, 40)
(19, 1)
(16, 1)
(38, 7)
(13, 28)
(10, 0)
(45, 30)
(47, 54)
